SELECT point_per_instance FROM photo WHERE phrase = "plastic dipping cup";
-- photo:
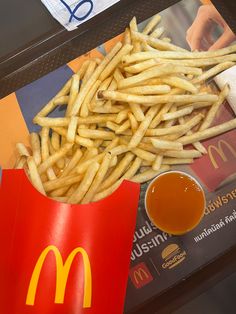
(175, 202)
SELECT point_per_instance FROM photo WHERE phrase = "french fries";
(102, 171)
(166, 145)
(157, 71)
(34, 175)
(74, 89)
(129, 116)
(208, 133)
(35, 145)
(153, 100)
(83, 187)
(22, 149)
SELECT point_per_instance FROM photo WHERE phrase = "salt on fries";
(128, 116)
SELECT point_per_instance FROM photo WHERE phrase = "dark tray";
(54, 47)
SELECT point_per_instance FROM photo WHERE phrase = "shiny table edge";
(56, 48)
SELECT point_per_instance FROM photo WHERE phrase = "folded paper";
(71, 13)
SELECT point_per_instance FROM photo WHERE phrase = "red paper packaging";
(61, 258)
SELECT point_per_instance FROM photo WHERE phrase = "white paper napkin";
(228, 77)
(71, 13)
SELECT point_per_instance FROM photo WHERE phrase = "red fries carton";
(60, 258)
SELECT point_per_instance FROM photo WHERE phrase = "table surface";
(33, 23)
(37, 35)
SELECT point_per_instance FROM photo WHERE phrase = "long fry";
(213, 71)
(157, 71)
(72, 163)
(85, 105)
(119, 170)
(165, 145)
(71, 132)
(90, 69)
(62, 182)
(139, 134)
(78, 139)
(214, 108)
(153, 100)
(125, 126)
(54, 158)
(113, 63)
(158, 118)
(151, 24)
(140, 67)
(190, 153)
(96, 134)
(147, 90)
(157, 163)
(74, 89)
(177, 114)
(35, 144)
(158, 32)
(176, 128)
(180, 83)
(62, 100)
(78, 102)
(205, 134)
(133, 27)
(137, 111)
(98, 179)
(178, 55)
(149, 174)
(84, 185)
(133, 122)
(143, 154)
(20, 162)
(155, 42)
(34, 175)
(129, 174)
(50, 122)
(50, 106)
(197, 145)
(22, 150)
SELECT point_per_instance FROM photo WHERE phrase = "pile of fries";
(128, 116)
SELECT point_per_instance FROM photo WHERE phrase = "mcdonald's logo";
(62, 272)
(220, 151)
(140, 275)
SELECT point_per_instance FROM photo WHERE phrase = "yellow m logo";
(219, 150)
(139, 275)
(62, 272)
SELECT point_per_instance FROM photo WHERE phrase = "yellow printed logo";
(220, 151)
(62, 272)
(172, 256)
(140, 274)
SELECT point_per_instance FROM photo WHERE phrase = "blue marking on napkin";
(73, 12)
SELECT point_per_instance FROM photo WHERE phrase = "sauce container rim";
(183, 173)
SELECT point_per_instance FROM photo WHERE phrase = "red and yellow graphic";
(140, 275)
(62, 272)
(61, 258)
(220, 149)
(220, 161)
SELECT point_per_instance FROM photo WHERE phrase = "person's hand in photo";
(199, 35)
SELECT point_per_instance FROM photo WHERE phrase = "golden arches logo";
(219, 150)
(139, 275)
(62, 272)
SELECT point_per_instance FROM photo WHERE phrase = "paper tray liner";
(148, 275)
